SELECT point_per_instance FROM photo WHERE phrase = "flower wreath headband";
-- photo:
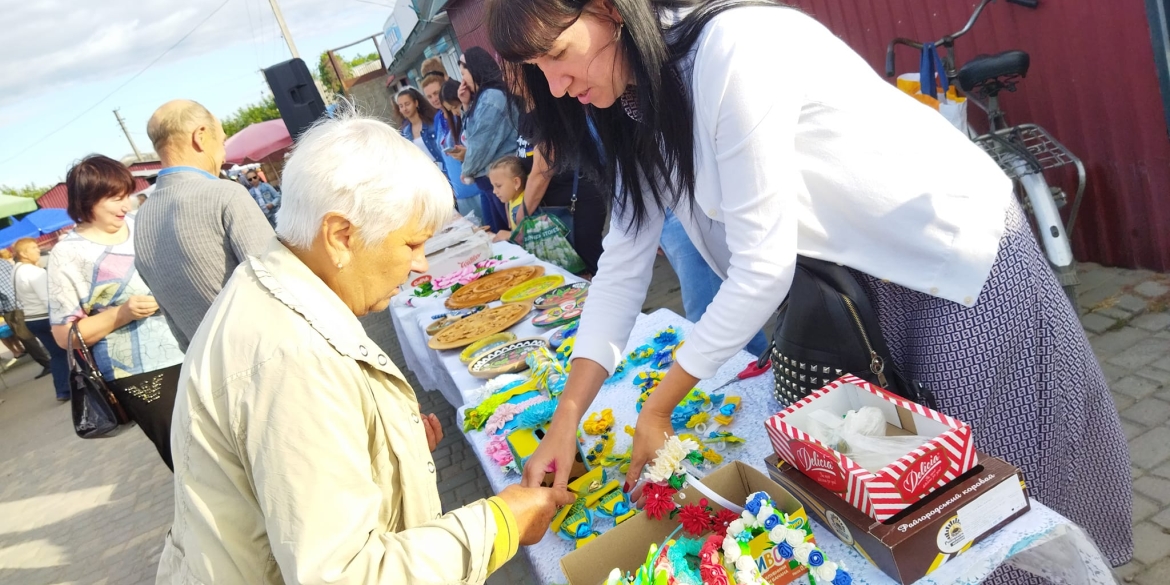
(672, 469)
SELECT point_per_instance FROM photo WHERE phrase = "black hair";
(450, 94)
(426, 112)
(485, 72)
(644, 156)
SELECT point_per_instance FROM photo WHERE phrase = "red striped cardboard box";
(879, 495)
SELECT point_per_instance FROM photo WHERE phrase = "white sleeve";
(38, 280)
(748, 102)
(619, 289)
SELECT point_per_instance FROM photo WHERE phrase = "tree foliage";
(31, 191)
(326, 75)
(363, 59)
(251, 114)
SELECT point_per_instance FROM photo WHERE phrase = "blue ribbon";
(930, 68)
(173, 170)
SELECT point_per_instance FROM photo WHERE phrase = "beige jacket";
(300, 455)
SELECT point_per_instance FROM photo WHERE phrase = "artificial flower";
(765, 510)
(816, 558)
(745, 563)
(842, 578)
(746, 578)
(749, 520)
(710, 565)
(735, 527)
(795, 537)
(731, 549)
(695, 519)
(826, 572)
(771, 522)
(784, 549)
(659, 501)
(723, 520)
(778, 534)
(802, 551)
(755, 502)
(497, 448)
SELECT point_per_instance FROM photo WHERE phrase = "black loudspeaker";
(297, 98)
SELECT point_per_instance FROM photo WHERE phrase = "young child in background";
(508, 178)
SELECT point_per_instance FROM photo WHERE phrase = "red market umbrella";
(259, 142)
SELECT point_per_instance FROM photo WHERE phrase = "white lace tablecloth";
(442, 370)
(1055, 546)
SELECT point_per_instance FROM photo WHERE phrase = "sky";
(59, 58)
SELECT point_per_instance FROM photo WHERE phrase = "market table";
(1040, 540)
(442, 370)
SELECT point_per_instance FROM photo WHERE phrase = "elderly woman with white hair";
(300, 453)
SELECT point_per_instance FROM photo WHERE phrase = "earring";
(340, 265)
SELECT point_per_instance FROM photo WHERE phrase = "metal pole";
(292, 48)
(122, 123)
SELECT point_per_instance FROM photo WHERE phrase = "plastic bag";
(861, 436)
(545, 236)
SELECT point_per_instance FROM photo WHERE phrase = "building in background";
(416, 31)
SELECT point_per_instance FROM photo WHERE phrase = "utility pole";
(122, 123)
(284, 29)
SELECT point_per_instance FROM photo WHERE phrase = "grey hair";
(363, 169)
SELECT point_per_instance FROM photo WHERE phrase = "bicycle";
(1024, 152)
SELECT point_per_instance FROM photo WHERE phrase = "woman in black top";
(557, 190)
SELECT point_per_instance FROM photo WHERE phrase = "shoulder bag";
(96, 411)
(827, 328)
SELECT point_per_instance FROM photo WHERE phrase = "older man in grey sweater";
(196, 228)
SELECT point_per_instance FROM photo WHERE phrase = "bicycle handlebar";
(949, 40)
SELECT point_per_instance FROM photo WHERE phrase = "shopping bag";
(950, 104)
(544, 235)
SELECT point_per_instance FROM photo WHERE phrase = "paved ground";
(74, 511)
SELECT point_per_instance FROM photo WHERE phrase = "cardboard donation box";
(626, 545)
(926, 535)
(456, 246)
(880, 493)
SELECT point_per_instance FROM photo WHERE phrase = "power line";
(252, 31)
(24, 150)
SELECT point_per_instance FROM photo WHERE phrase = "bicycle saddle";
(991, 74)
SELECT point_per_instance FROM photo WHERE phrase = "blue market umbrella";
(10, 234)
(49, 220)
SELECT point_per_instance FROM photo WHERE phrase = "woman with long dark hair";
(416, 118)
(489, 129)
(770, 138)
(466, 196)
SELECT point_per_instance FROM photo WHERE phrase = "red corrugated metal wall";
(467, 18)
(1093, 84)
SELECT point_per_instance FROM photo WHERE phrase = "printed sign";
(818, 463)
(923, 473)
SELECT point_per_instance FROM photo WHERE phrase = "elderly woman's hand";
(434, 431)
(534, 509)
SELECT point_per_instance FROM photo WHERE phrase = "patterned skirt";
(1018, 368)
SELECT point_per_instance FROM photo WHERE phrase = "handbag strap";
(81, 350)
(572, 200)
(576, 183)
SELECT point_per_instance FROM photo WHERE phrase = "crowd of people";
(225, 318)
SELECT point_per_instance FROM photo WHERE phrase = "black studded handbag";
(827, 328)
